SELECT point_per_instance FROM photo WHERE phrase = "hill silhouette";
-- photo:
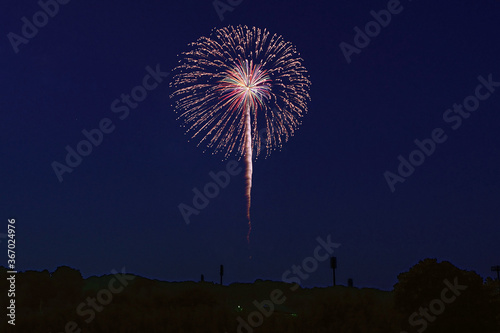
(430, 297)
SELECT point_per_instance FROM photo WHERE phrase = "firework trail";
(228, 85)
(249, 167)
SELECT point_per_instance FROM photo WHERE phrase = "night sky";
(120, 206)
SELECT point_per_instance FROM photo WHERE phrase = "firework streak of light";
(239, 79)
(249, 166)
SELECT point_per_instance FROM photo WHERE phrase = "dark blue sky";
(119, 207)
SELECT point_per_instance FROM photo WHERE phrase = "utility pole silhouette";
(333, 265)
(350, 282)
(202, 278)
(221, 273)
(496, 269)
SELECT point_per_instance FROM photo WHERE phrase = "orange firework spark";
(235, 81)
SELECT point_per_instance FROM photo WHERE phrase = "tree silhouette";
(36, 289)
(493, 287)
(456, 300)
(68, 284)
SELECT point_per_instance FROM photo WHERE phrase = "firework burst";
(234, 82)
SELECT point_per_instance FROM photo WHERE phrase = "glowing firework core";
(247, 85)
